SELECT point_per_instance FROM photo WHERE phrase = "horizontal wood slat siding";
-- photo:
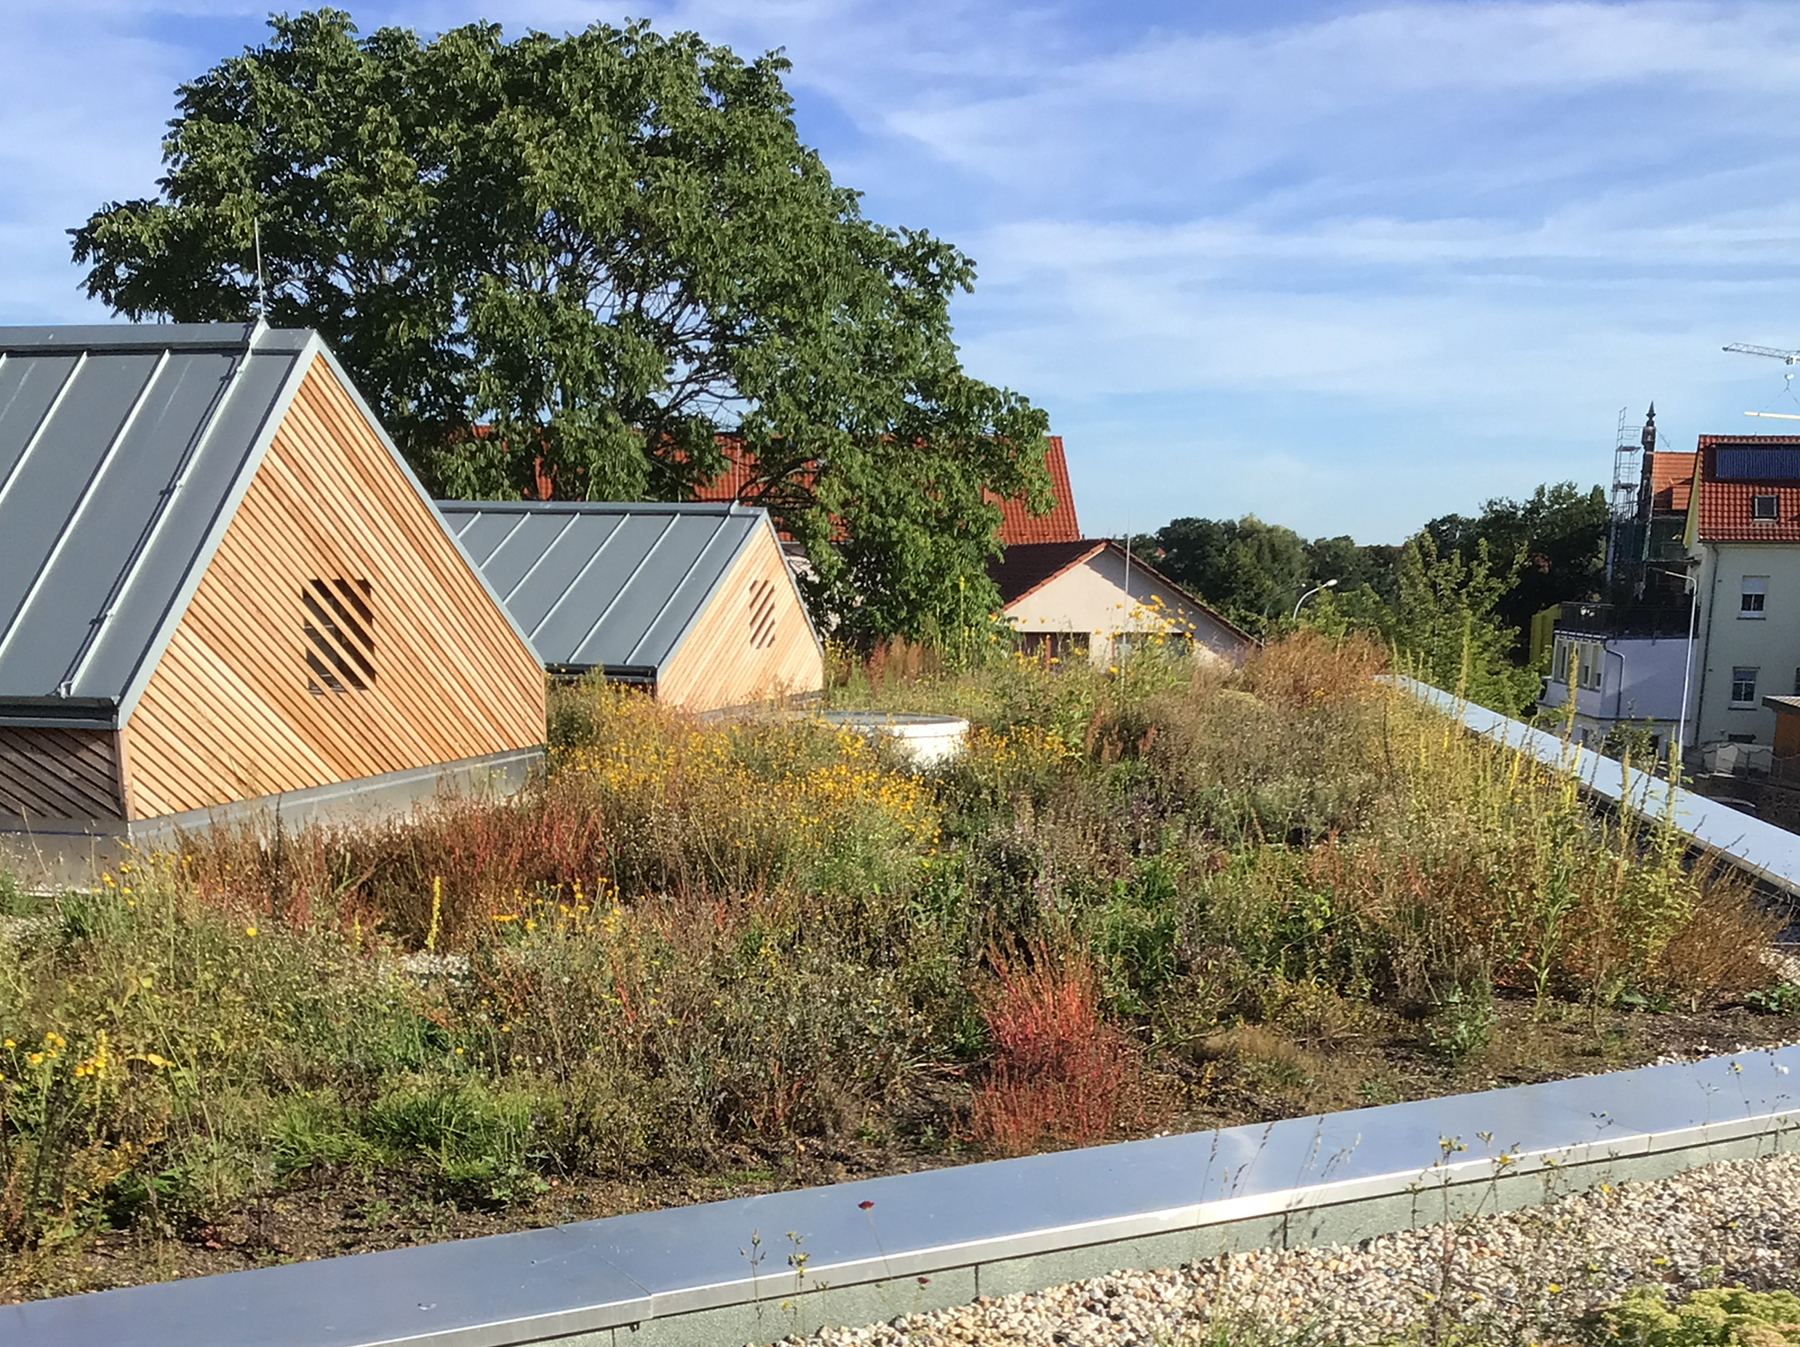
(228, 715)
(59, 774)
(720, 664)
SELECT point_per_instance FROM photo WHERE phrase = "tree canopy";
(1558, 536)
(576, 262)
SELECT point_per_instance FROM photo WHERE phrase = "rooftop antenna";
(262, 294)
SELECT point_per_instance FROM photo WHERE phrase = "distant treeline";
(1458, 595)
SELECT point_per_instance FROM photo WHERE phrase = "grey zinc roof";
(123, 453)
(604, 583)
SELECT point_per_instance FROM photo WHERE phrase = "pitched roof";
(617, 584)
(1736, 468)
(1025, 567)
(1671, 481)
(1022, 567)
(123, 453)
(1017, 524)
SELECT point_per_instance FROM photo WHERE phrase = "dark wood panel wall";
(60, 774)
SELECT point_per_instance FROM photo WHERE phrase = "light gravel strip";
(1524, 1275)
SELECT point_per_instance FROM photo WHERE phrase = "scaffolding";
(1628, 523)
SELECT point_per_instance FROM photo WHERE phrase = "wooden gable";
(751, 642)
(336, 633)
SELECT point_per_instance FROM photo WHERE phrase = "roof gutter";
(642, 674)
(48, 713)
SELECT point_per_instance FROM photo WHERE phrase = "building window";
(1055, 646)
(762, 614)
(1592, 664)
(1765, 507)
(1583, 659)
(339, 634)
(1743, 687)
(1753, 595)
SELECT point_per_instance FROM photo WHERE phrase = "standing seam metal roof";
(604, 583)
(125, 451)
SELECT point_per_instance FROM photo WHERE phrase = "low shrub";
(1058, 1074)
(1712, 1317)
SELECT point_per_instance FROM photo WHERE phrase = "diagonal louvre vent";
(762, 614)
(339, 632)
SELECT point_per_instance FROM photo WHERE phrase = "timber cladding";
(336, 633)
(752, 641)
(60, 773)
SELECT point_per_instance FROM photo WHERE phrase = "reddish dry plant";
(1059, 1075)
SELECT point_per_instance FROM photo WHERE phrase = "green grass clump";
(1713, 1317)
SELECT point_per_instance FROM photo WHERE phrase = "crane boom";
(1744, 348)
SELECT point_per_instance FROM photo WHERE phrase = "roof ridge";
(122, 337)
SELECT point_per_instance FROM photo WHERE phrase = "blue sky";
(1346, 266)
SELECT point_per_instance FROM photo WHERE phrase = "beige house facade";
(1089, 600)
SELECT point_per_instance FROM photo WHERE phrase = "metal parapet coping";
(1760, 849)
(724, 1273)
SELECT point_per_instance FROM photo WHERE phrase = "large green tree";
(1557, 534)
(1255, 572)
(578, 261)
(1251, 571)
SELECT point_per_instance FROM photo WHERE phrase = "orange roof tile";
(1671, 481)
(1725, 504)
(1019, 525)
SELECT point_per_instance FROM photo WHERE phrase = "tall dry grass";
(695, 938)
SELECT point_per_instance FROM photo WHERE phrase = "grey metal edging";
(1762, 850)
(724, 1273)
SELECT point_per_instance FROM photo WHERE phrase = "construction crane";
(1786, 357)
(1774, 353)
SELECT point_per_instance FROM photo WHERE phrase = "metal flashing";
(1763, 851)
(140, 337)
(939, 1236)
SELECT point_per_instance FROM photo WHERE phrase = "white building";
(1625, 667)
(1088, 599)
(1744, 535)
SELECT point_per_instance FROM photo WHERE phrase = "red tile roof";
(1017, 524)
(1724, 514)
(1671, 482)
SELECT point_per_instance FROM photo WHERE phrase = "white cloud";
(1348, 270)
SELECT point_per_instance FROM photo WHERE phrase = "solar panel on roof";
(1756, 462)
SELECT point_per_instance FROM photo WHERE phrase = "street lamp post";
(1329, 584)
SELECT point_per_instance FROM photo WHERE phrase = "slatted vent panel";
(59, 774)
(762, 614)
(340, 635)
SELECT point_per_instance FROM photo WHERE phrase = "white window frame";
(1774, 514)
(1753, 598)
(1591, 670)
(1737, 682)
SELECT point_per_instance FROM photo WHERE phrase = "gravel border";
(1520, 1276)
